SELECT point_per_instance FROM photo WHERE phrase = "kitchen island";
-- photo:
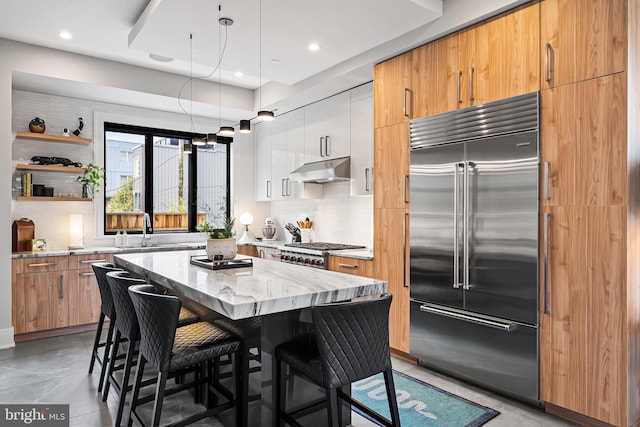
(277, 293)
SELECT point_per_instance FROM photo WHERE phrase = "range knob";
(320, 262)
(307, 261)
(300, 259)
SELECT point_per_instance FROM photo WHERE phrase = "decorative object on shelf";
(23, 231)
(38, 245)
(91, 179)
(76, 232)
(269, 229)
(246, 219)
(26, 184)
(80, 126)
(42, 160)
(65, 132)
(221, 244)
(37, 125)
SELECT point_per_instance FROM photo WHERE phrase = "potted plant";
(91, 179)
(221, 244)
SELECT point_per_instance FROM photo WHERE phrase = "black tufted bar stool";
(350, 343)
(127, 328)
(172, 349)
(106, 310)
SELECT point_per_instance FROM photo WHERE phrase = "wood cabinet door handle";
(352, 266)
(43, 264)
(91, 261)
(87, 274)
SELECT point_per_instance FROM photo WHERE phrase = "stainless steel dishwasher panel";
(495, 353)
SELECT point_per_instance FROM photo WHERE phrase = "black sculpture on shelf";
(42, 160)
(80, 126)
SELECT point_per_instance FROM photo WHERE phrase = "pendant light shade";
(245, 126)
(265, 116)
(198, 141)
(212, 138)
(226, 131)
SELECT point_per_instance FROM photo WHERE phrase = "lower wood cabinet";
(55, 292)
(354, 266)
(390, 263)
(248, 250)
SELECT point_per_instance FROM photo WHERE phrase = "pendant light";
(263, 115)
(245, 126)
(227, 22)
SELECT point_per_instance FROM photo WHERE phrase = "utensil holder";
(305, 235)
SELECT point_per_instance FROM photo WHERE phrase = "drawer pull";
(347, 265)
(91, 261)
(87, 274)
(43, 264)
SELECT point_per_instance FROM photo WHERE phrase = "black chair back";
(101, 269)
(353, 339)
(126, 319)
(158, 318)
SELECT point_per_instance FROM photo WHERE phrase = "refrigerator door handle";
(465, 226)
(456, 243)
(491, 322)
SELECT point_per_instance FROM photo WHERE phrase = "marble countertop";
(265, 288)
(111, 250)
(366, 254)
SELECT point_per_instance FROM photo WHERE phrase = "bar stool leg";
(128, 365)
(391, 396)
(105, 357)
(157, 404)
(280, 384)
(136, 389)
(96, 342)
(332, 407)
(111, 365)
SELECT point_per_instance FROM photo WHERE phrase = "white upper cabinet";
(287, 154)
(327, 128)
(362, 140)
(264, 185)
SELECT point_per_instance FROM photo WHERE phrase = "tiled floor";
(54, 370)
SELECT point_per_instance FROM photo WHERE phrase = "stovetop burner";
(323, 246)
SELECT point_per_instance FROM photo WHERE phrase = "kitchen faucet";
(146, 222)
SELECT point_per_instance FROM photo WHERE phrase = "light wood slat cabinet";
(583, 154)
(391, 166)
(55, 292)
(354, 266)
(582, 39)
(493, 60)
(84, 294)
(391, 263)
(392, 91)
(584, 283)
(40, 293)
(248, 250)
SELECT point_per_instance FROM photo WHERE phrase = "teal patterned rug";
(421, 404)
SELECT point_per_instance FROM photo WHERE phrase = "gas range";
(313, 254)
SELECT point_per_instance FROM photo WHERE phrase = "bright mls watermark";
(34, 415)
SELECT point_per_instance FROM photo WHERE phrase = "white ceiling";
(353, 35)
(129, 30)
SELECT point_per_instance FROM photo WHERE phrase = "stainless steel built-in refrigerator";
(474, 244)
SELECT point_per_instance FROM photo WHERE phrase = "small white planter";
(221, 248)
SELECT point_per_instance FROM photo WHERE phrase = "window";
(158, 172)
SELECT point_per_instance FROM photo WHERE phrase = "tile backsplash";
(337, 217)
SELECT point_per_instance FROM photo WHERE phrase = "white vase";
(221, 248)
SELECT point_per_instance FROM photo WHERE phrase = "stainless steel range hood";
(323, 171)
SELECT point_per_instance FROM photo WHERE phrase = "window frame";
(192, 185)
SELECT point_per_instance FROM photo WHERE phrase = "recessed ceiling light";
(160, 58)
(275, 61)
(64, 35)
(314, 47)
(239, 74)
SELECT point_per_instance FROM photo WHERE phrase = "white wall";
(24, 58)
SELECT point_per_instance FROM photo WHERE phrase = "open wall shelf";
(53, 138)
(50, 168)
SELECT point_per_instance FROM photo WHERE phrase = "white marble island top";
(265, 288)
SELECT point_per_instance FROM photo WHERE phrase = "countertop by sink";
(111, 249)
